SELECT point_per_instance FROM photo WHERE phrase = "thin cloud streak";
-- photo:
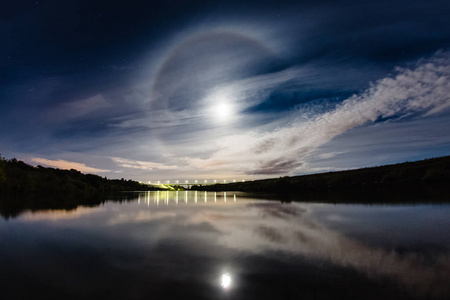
(67, 165)
(142, 165)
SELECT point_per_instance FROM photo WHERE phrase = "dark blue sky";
(223, 89)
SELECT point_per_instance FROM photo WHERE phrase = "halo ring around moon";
(204, 60)
(199, 63)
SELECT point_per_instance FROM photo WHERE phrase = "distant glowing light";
(226, 281)
(221, 105)
(223, 110)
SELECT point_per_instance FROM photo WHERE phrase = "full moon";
(223, 110)
(226, 280)
(221, 105)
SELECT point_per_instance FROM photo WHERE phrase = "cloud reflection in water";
(272, 226)
(217, 231)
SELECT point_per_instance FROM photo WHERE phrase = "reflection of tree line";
(420, 180)
(13, 205)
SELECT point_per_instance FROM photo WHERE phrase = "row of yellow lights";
(187, 181)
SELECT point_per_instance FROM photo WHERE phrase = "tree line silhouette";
(23, 186)
(19, 177)
(426, 178)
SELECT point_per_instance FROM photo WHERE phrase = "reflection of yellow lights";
(226, 281)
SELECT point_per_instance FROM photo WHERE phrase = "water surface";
(197, 245)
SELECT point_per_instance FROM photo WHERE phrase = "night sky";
(182, 90)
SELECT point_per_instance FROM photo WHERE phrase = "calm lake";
(197, 245)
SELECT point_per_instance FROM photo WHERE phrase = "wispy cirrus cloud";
(419, 91)
(142, 165)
